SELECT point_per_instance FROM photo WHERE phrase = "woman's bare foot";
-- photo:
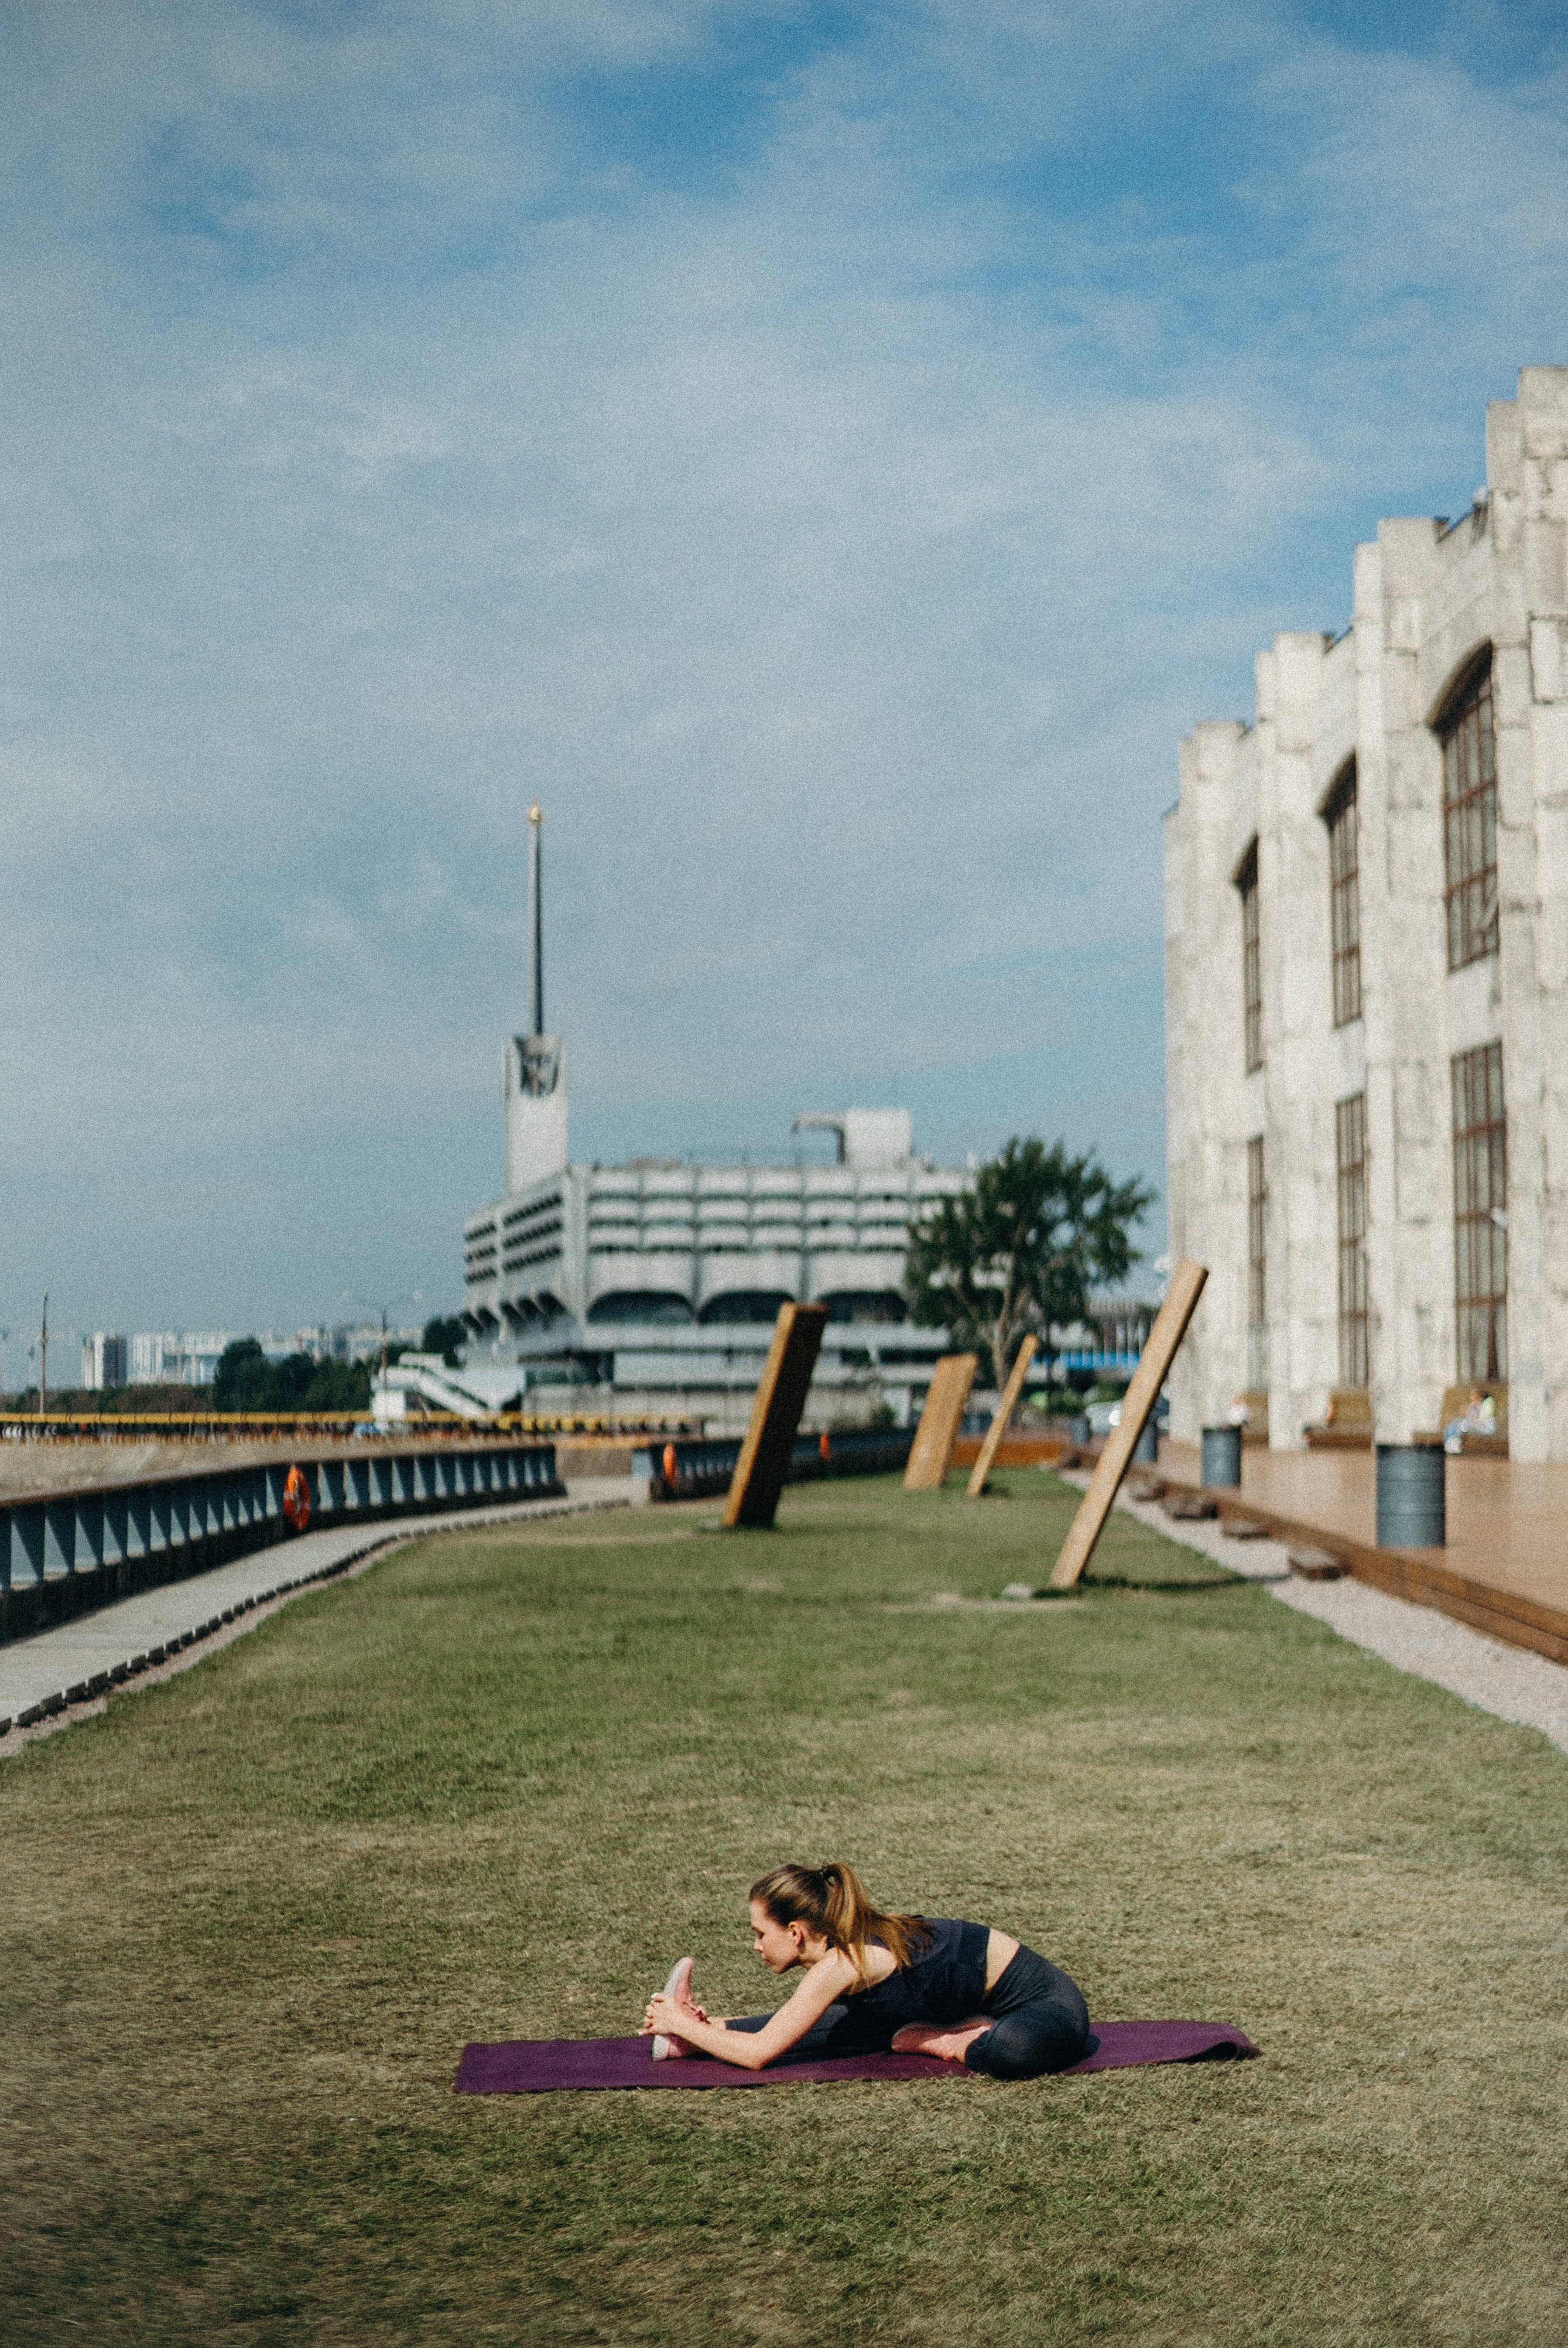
(951, 2040)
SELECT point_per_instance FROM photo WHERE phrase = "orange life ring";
(297, 1500)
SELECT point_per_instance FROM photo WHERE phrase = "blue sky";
(829, 454)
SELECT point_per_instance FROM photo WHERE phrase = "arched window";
(645, 1308)
(743, 1307)
(1470, 818)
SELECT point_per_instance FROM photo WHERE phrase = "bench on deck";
(1455, 1402)
(1346, 1425)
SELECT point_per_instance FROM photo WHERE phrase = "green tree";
(446, 1337)
(291, 1380)
(338, 1386)
(243, 1379)
(1021, 1248)
(246, 1380)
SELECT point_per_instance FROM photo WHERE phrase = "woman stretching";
(875, 1983)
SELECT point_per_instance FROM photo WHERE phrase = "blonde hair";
(835, 1904)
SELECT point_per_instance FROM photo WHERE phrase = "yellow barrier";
(111, 1425)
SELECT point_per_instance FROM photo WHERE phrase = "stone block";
(1546, 568)
(1504, 442)
(1549, 738)
(1543, 411)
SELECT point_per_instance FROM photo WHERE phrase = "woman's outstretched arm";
(833, 1977)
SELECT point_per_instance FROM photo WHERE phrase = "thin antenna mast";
(43, 1361)
(536, 921)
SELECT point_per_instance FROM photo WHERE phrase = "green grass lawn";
(494, 1788)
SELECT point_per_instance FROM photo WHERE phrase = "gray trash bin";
(1146, 1450)
(1221, 1457)
(1411, 1496)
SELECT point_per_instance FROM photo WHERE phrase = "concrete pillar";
(1206, 1084)
(1529, 448)
(1404, 954)
(1298, 1054)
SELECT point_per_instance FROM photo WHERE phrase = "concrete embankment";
(71, 1671)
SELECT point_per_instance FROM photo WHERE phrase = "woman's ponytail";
(833, 1903)
(848, 1912)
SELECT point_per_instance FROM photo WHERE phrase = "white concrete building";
(1366, 984)
(658, 1277)
(177, 1357)
(104, 1361)
(361, 1342)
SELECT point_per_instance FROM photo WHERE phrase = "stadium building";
(658, 1277)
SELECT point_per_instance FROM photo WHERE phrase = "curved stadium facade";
(658, 1275)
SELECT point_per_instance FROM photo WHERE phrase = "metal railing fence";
(67, 1552)
(701, 1470)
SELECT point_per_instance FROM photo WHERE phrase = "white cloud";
(837, 543)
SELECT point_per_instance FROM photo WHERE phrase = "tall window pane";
(1256, 1288)
(1470, 824)
(1251, 963)
(1344, 900)
(1480, 1216)
(1350, 1148)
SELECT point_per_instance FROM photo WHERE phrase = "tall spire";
(536, 1062)
(536, 921)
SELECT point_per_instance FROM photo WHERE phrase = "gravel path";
(1509, 1682)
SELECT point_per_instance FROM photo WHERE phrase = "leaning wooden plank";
(931, 1453)
(764, 1463)
(1001, 1422)
(1153, 1367)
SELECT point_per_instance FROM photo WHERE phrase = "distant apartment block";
(183, 1358)
(177, 1358)
(104, 1361)
(359, 1341)
(1367, 986)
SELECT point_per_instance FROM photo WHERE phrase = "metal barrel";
(1221, 1455)
(1146, 1450)
(1411, 1510)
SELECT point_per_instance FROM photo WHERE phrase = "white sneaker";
(678, 1986)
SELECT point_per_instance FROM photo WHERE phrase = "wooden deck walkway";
(1505, 1570)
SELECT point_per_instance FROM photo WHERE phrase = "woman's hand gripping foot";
(664, 2012)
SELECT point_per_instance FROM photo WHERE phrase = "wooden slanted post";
(931, 1453)
(764, 1463)
(1001, 1422)
(1153, 1368)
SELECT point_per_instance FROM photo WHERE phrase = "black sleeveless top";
(945, 1981)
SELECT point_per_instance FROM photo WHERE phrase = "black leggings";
(1038, 2024)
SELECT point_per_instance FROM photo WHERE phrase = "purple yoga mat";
(531, 2066)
